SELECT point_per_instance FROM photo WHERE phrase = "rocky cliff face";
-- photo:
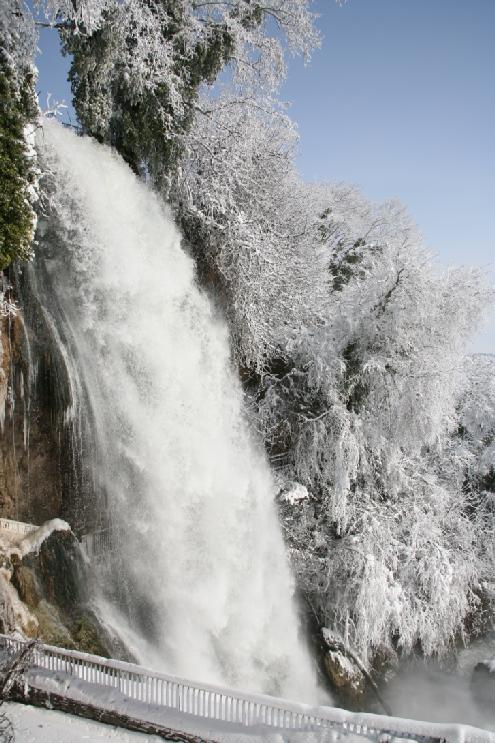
(44, 593)
(30, 481)
(41, 469)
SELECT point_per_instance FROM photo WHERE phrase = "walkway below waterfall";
(51, 676)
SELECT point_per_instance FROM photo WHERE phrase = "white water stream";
(209, 591)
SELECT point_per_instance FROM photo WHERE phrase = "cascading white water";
(202, 557)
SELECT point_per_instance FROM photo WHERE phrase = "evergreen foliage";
(118, 98)
(17, 170)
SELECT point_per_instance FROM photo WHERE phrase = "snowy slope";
(32, 725)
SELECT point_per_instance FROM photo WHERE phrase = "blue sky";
(400, 100)
(53, 69)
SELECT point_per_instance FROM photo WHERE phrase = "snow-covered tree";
(138, 65)
(242, 206)
(354, 346)
(362, 413)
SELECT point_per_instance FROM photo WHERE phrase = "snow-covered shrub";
(365, 409)
(243, 208)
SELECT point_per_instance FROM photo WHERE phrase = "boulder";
(345, 677)
(60, 571)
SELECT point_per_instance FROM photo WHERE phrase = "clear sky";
(53, 69)
(400, 100)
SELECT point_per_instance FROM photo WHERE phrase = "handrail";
(18, 526)
(228, 705)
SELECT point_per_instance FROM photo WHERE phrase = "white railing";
(17, 526)
(226, 705)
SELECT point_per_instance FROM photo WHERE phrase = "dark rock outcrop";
(30, 483)
(53, 584)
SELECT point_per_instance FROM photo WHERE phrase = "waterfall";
(200, 585)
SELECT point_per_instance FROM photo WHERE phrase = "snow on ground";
(33, 725)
